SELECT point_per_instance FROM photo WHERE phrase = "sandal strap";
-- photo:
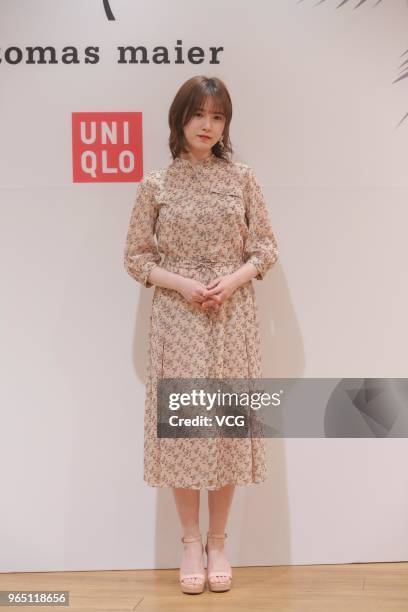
(186, 540)
(227, 575)
(216, 536)
(192, 576)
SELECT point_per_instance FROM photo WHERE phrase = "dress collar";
(186, 162)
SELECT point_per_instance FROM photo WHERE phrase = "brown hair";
(191, 96)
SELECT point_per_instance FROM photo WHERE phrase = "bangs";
(200, 99)
(215, 104)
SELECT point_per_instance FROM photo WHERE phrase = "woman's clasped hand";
(212, 295)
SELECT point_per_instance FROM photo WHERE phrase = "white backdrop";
(315, 112)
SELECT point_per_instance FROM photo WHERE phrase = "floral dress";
(201, 221)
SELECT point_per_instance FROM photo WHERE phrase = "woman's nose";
(207, 122)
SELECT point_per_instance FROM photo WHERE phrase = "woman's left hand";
(220, 289)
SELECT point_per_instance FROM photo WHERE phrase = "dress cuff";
(258, 265)
(147, 269)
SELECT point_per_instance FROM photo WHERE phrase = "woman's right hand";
(196, 294)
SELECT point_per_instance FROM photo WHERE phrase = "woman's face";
(204, 129)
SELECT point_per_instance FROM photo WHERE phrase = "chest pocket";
(229, 199)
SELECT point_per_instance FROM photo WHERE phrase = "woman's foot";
(192, 574)
(219, 572)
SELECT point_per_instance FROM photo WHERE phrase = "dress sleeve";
(141, 252)
(260, 246)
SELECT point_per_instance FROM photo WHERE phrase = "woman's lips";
(204, 137)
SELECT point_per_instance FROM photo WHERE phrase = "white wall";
(315, 115)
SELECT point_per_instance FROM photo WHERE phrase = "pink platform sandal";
(225, 584)
(192, 583)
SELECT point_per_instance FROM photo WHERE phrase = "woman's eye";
(200, 114)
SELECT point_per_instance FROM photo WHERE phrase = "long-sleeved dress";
(200, 220)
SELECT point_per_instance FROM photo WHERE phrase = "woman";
(213, 236)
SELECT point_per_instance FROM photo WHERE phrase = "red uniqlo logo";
(107, 147)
